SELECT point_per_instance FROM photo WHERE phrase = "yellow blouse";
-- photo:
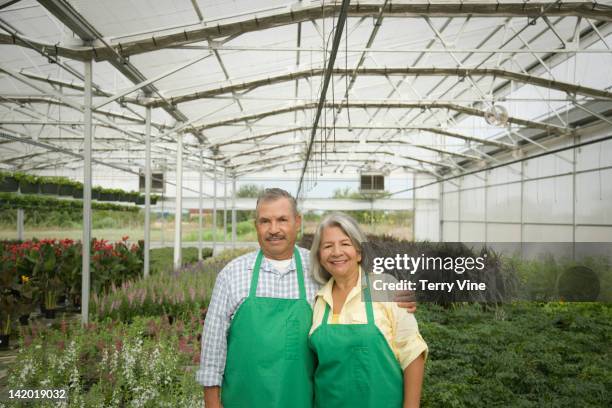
(399, 327)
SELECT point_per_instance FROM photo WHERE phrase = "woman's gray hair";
(350, 228)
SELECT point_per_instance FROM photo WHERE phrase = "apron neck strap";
(368, 300)
(300, 272)
(298, 265)
(368, 304)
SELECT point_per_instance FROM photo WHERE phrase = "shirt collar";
(266, 266)
(326, 291)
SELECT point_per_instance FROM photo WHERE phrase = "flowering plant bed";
(148, 363)
(177, 294)
(40, 271)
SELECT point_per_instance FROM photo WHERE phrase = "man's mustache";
(275, 236)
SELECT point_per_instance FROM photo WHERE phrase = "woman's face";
(337, 253)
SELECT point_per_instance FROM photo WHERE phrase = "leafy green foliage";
(519, 355)
(25, 201)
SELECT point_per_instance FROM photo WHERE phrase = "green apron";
(356, 367)
(269, 363)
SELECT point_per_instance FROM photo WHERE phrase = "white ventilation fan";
(496, 115)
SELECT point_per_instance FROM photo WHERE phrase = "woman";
(370, 354)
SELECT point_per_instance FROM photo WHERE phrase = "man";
(254, 343)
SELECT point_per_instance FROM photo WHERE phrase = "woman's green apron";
(356, 367)
(269, 363)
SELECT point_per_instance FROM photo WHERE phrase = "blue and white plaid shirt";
(231, 289)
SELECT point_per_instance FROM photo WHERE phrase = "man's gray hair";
(273, 194)
(350, 228)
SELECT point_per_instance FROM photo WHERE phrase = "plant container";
(49, 313)
(28, 188)
(4, 341)
(107, 197)
(66, 190)
(9, 185)
(24, 319)
(49, 188)
(78, 193)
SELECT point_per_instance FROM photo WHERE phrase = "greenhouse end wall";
(544, 199)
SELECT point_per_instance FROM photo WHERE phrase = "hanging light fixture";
(496, 115)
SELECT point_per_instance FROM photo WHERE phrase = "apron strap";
(325, 315)
(255, 277)
(368, 305)
(298, 265)
(300, 272)
(368, 301)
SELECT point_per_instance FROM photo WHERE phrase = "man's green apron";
(356, 367)
(269, 363)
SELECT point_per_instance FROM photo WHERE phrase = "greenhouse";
(460, 148)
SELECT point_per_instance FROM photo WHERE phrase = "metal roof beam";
(295, 13)
(300, 12)
(390, 71)
(64, 12)
(386, 105)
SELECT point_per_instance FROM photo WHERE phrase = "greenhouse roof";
(419, 86)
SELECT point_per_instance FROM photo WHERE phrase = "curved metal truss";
(411, 88)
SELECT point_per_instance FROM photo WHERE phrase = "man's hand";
(406, 300)
(212, 397)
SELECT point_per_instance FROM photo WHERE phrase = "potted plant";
(95, 193)
(26, 299)
(8, 299)
(132, 197)
(67, 187)
(70, 271)
(107, 194)
(47, 276)
(140, 200)
(77, 192)
(8, 183)
(49, 185)
(28, 184)
(154, 199)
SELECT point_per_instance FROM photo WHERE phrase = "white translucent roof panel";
(401, 41)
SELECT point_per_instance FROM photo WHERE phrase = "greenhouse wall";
(553, 200)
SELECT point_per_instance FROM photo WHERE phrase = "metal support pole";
(87, 174)
(224, 207)
(178, 207)
(574, 196)
(214, 221)
(303, 218)
(441, 211)
(200, 207)
(486, 201)
(523, 164)
(163, 224)
(459, 187)
(414, 201)
(147, 220)
(233, 211)
(20, 229)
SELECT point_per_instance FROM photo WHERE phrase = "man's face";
(277, 227)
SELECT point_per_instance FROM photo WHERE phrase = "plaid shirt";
(231, 289)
